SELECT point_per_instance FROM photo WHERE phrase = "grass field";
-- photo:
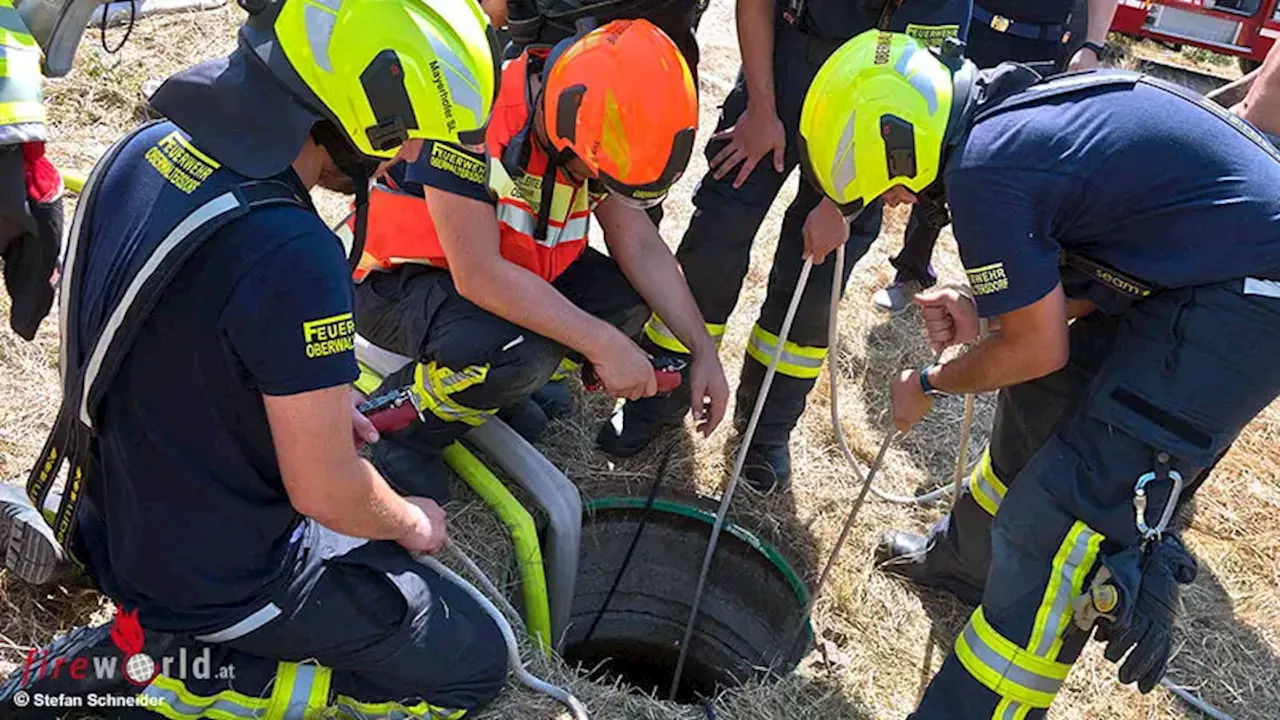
(888, 638)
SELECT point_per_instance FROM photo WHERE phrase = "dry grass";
(892, 638)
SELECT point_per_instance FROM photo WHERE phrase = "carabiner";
(1148, 532)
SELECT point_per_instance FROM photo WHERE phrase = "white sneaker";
(896, 298)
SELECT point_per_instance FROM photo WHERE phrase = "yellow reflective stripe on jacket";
(1074, 559)
(357, 710)
(1006, 669)
(659, 334)
(433, 384)
(797, 361)
(988, 491)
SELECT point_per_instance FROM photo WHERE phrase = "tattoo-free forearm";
(1101, 13)
(756, 43)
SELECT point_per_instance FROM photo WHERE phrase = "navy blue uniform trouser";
(716, 251)
(987, 49)
(359, 626)
(1182, 373)
(471, 363)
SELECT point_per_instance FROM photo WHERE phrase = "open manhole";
(753, 601)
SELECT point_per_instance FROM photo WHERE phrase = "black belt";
(1057, 32)
(1109, 276)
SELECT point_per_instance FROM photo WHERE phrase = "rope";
(522, 673)
(733, 479)
(128, 30)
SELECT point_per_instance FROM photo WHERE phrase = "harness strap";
(1107, 275)
(72, 440)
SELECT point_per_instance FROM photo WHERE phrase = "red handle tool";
(389, 412)
(667, 371)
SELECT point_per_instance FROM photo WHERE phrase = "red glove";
(44, 183)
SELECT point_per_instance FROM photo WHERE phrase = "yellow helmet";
(874, 117)
(383, 71)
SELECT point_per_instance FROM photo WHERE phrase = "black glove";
(1146, 631)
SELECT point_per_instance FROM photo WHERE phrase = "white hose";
(522, 674)
(783, 332)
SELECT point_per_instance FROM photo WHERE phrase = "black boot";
(767, 468)
(411, 467)
(26, 540)
(918, 560)
(526, 418)
(642, 421)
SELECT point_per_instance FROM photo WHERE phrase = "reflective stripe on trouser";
(22, 111)
(356, 710)
(434, 385)
(568, 366)
(299, 691)
(659, 334)
(987, 489)
(797, 360)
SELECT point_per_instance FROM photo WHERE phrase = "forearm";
(1101, 13)
(361, 504)
(756, 42)
(521, 297)
(992, 364)
(652, 270)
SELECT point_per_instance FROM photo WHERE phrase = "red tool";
(667, 371)
(391, 411)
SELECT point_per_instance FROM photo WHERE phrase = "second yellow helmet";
(874, 117)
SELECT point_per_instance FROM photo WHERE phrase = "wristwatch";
(927, 386)
(1097, 48)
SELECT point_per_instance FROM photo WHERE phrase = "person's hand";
(362, 425)
(950, 318)
(757, 132)
(624, 369)
(1084, 59)
(429, 533)
(825, 229)
(910, 404)
(708, 392)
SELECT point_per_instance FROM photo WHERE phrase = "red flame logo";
(126, 633)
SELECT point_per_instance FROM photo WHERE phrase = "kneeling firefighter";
(489, 284)
(752, 154)
(213, 488)
(1147, 215)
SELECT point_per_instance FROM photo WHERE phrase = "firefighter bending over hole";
(1105, 423)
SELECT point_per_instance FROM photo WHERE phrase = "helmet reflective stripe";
(918, 80)
(320, 30)
(844, 170)
(460, 86)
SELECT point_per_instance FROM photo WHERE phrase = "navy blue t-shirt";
(188, 520)
(1137, 178)
(930, 21)
(445, 167)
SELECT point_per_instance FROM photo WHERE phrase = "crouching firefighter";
(489, 284)
(1145, 214)
(754, 150)
(213, 488)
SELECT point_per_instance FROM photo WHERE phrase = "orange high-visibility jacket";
(400, 229)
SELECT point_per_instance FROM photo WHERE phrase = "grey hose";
(522, 674)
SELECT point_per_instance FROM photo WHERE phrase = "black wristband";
(1097, 48)
(927, 386)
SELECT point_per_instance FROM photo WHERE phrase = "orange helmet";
(621, 99)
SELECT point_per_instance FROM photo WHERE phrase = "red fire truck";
(1244, 28)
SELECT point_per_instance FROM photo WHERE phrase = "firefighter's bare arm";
(653, 271)
(327, 481)
(1261, 105)
(757, 131)
(468, 231)
(1101, 13)
(496, 10)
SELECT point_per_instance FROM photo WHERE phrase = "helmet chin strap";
(360, 169)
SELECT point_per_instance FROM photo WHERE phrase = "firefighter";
(31, 189)
(213, 487)
(1001, 30)
(752, 153)
(1144, 213)
(489, 284)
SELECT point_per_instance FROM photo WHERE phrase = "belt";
(1109, 276)
(1057, 32)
